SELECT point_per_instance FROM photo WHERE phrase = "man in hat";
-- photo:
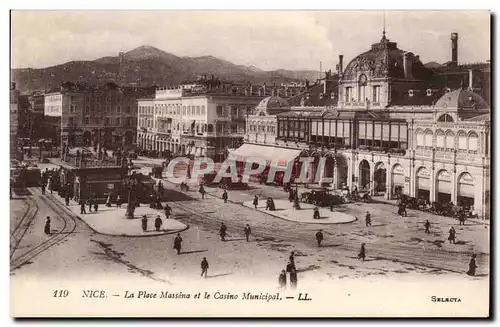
(158, 223)
(319, 237)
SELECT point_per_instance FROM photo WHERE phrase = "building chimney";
(407, 65)
(341, 64)
(454, 49)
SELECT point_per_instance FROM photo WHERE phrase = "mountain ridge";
(147, 65)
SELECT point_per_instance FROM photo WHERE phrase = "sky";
(266, 39)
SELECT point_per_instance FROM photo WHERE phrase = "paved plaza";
(396, 247)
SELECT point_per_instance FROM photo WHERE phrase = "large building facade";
(194, 119)
(14, 104)
(95, 115)
(393, 129)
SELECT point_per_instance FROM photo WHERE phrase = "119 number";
(61, 293)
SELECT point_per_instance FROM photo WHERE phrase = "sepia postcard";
(250, 164)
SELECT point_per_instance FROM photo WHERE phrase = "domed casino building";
(389, 125)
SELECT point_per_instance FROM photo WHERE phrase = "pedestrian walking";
(472, 266)
(319, 237)
(178, 243)
(202, 191)
(82, 207)
(168, 210)
(43, 188)
(222, 232)
(46, 228)
(96, 205)
(255, 201)
(204, 267)
(461, 218)
(248, 231)
(108, 200)
(224, 196)
(362, 252)
(292, 259)
(89, 203)
(144, 223)
(427, 226)
(66, 200)
(158, 223)
(452, 235)
(282, 280)
(119, 201)
(293, 279)
(368, 219)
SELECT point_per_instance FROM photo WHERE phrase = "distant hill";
(433, 64)
(147, 65)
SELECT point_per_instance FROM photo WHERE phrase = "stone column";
(388, 183)
(350, 163)
(335, 175)
(454, 186)
(433, 179)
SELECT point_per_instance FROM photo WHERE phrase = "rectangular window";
(198, 110)
(87, 109)
(87, 121)
(71, 121)
(202, 110)
(108, 99)
(118, 109)
(118, 121)
(184, 110)
(376, 93)
(129, 110)
(348, 94)
(72, 109)
(234, 111)
(108, 109)
(220, 111)
(87, 99)
(106, 122)
(98, 99)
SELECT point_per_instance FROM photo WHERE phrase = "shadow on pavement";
(219, 275)
(196, 251)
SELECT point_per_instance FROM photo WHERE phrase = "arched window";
(462, 141)
(446, 118)
(440, 139)
(473, 142)
(449, 141)
(420, 138)
(428, 138)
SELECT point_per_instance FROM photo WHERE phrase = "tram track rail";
(69, 226)
(16, 236)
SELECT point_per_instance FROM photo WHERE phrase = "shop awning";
(268, 153)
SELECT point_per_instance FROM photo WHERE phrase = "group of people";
(91, 203)
(291, 270)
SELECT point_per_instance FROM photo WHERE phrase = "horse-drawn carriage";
(321, 198)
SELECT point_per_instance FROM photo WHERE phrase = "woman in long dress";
(472, 266)
(47, 226)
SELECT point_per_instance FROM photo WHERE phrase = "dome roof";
(272, 105)
(461, 99)
(384, 59)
